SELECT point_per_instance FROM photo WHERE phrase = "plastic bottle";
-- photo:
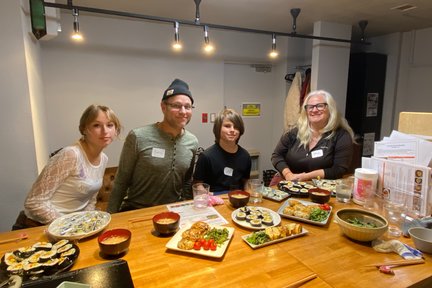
(365, 183)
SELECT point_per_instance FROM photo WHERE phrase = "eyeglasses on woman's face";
(319, 107)
(179, 106)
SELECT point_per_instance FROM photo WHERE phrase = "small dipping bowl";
(166, 223)
(319, 195)
(238, 198)
(422, 238)
(115, 241)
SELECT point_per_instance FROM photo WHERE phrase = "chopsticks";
(20, 237)
(398, 263)
(302, 281)
(139, 219)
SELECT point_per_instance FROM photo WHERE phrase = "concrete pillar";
(330, 61)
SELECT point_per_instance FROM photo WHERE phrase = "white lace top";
(68, 183)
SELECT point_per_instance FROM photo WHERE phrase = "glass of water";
(344, 188)
(255, 188)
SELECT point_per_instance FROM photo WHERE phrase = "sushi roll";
(60, 244)
(33, 268)
(267, 221)
(64, 248)
(11, 259)
(25, 252)
(50, 265)
(304, 190)
(69, 253)
(42, 246)
(16, 268)
(63, 262)
(256, 222)
(35, 257)
(47, 255)
(241, 216)
(250, 217)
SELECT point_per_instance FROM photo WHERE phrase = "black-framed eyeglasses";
(178, 106)
(319, 107)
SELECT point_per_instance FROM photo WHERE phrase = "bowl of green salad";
(361, 225)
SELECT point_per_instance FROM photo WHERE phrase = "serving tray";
(306, 203)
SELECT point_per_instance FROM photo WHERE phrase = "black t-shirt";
(223, 170)
(334, 155)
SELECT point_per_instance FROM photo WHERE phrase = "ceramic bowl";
(360, 231)
(422, 238)
(115, 241)
(166, 222)
(319, 195)
(238, 198)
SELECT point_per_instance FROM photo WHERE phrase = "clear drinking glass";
(255, 188)
(200, 195)
(344, 188)
(394, 211)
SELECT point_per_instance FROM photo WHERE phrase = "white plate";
(245, 224)
(286, 203)
(326, 184)
(79, 225)
(253, 246)
(218, 253)
(275, 194)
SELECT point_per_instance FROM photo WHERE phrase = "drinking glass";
(394, 212)
(200, 195)
(255, 189)
(344, 189)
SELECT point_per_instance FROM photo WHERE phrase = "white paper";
(405, 150)
(189, 214)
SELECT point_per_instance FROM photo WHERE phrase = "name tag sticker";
(317, 153)
(228, 171)
(158, 153)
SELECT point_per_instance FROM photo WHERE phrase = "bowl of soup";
(238, 198)
(166, 222)
(319, 195)
(115, 241)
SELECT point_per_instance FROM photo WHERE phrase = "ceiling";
(275, 16)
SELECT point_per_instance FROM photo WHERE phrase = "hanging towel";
(292, 103)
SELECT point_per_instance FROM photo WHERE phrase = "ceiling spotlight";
(273, 52)
(176, 45)
(76, 34)
(208, 48)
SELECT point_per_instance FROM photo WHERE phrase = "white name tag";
(317, 153)
(228, 171)
(158, 152)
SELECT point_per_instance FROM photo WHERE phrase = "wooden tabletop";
(324, 252)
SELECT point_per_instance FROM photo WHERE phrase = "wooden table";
(336, 260)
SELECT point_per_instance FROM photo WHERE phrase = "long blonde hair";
(335, 121)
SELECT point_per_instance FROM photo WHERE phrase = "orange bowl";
(114, 241)
(238, 198)
(319, 195)
(166, 222)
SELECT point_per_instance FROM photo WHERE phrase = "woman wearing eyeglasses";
(321, 144)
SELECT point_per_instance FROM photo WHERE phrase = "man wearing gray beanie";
(157, 160)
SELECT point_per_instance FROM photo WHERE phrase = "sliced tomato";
(213, 246)
(211, 241)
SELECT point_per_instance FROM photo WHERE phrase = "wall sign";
(372, 105)
(251, 109)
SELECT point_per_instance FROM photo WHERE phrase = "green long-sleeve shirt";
(154, 169)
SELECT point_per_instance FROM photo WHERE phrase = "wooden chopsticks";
(139, 219)
(20, 237)
(398, 263)
(302, 281)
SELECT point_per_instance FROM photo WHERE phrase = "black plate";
(66, 265)
(282, 185)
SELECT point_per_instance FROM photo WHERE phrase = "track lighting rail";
(293, 34)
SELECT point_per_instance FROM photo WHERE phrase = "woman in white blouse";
(72, 178)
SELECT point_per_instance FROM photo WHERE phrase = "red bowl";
(114, 241)
(319, 195)
(166, 222)
(238, 201)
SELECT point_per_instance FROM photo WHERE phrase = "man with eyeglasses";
(321, 144)
(157, 160)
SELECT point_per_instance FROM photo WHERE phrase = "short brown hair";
(231, 115)
(91, 113)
